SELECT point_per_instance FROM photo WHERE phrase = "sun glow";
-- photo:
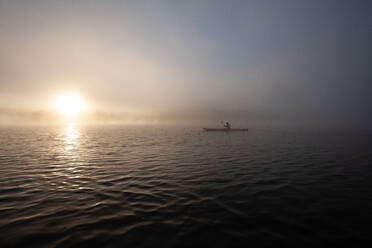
(70, 104)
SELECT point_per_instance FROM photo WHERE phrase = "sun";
(70, 104)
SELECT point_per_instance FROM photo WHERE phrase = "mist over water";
(110, 186)
(293, 63)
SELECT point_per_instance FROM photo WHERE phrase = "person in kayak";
(227, 125)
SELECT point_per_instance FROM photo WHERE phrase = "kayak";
(225, 129)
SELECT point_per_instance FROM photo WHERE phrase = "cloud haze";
(299, 62)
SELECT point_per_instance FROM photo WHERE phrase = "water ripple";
(145, 187)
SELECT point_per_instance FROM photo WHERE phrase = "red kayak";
(225, 129)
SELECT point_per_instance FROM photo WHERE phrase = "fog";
(278, 63)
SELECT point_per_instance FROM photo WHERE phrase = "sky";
(250, 62)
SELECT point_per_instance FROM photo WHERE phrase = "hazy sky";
(277, 61)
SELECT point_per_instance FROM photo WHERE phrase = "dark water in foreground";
(144, 187)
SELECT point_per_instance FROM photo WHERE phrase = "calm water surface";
(75, 186)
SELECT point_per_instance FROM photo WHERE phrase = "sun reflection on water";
(69, 167)
(71, 138)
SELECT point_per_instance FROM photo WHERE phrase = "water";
(75, 186)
